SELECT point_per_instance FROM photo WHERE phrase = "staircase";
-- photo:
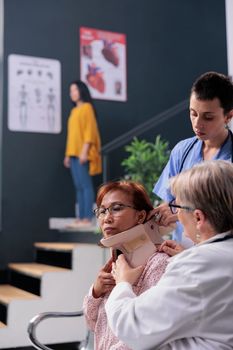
(57, 281)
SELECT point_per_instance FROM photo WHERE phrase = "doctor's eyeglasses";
(174, 207)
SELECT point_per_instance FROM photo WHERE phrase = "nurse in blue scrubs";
(211, 109)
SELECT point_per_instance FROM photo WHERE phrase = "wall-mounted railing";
(138, 130)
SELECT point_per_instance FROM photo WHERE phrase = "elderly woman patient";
(191, 306)
(120, 206)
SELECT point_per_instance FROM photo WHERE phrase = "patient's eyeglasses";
(174, 207)
(114, 209)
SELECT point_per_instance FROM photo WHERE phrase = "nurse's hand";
(171, 247)
(163, 214)
(122, 272)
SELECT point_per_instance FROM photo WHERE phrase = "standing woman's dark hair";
(84, 92)
(82, 153)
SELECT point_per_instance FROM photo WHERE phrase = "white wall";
(1, 97)
(229, 33)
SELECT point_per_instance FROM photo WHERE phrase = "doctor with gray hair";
(191, 306)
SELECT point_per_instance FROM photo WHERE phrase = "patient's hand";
(171, 247)
(122, 272)
(104, 282)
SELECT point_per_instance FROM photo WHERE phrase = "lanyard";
(185, 155)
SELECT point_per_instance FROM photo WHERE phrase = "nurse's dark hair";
(212, 85)
(84, 92)
(136, 191)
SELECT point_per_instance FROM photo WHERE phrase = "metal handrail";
(43, 316)
(147, 125)
(138, 130)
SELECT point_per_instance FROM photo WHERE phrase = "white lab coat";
(191, 307)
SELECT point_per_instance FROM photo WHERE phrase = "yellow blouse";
(82, 128)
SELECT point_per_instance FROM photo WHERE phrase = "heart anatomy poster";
(103, 63)
(34, 94)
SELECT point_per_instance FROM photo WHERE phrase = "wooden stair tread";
(9, 293)
(2, 325)
(34, 269)
(57, 246)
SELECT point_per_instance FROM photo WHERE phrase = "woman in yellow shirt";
(83, 147)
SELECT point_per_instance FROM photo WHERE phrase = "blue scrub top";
(177, 163)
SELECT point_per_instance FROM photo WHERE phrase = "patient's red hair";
(135, 190)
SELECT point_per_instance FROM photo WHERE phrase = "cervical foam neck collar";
(138, 243)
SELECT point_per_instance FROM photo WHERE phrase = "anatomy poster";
(103, 63)
(34, 94)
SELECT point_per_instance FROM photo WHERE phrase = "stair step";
(63, 224)
(35, 270)
(55, 253)
(9, 293)
(56, 246)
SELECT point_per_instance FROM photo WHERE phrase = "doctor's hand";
(171, 247)
(122, 272)
(104, 282)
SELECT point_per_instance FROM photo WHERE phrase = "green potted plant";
(145, 162)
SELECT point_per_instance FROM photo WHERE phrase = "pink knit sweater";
(94, 309)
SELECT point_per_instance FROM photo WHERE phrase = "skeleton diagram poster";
(103, 63)
(34, 94)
